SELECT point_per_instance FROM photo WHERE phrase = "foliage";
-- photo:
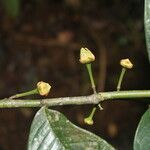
(147, 25)
(142, 136)
(52, 130)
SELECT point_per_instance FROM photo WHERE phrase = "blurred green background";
(41, 40)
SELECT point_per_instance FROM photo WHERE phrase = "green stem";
(92, 112)
(127, 95)
(79, 100)
(121, 78)
(89, 68)
(35, 91)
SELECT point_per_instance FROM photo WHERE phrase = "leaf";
(50, 130)
(147, 25)
(142, 136)
(12, 7)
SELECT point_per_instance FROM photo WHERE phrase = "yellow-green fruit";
(126, 63)
(43, 88)
(88, 121)
(86, 56)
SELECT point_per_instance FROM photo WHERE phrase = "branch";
(79, 100)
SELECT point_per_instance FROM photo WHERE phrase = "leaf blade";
(40, 133)
(147, 25)
(51, 130)
(142, 136)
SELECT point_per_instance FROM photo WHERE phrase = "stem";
(121, 78)
(79, 100)
(89, 68)
(35, 91)
(92, 113)
(127, 95)
(100, 107)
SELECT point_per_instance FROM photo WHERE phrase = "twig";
(79, 100)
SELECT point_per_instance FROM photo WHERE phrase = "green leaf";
(12, 7)
(147, 25)
(51, 130)
(142, 136)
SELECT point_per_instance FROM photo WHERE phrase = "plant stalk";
(92, 113)
(137, 95)
(32, 92)
(121, 78)
(89, 68)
